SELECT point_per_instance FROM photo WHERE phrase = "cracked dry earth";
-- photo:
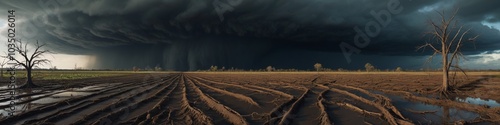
(255, 98)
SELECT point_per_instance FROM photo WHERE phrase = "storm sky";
(252, 34)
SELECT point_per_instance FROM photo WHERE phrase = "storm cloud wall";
(193, 34)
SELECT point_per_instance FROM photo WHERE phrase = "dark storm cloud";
(189, 34)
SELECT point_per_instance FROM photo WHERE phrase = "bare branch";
(19, 62)
(29, 61)
(461, 70)
(40, 62)
(456, 34)
(437, 30)
(457, 47)
(429, 45)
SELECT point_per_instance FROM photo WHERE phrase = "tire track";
(386, 114)
(310, 109)
(228, 93)
(151, 98)
(283, 114)
(180, 111)
(323, 118)
(266, 100)
(96, 111)
(53, 108)
(385, 101)
(158, 107)
(219, 111)
(229, 84)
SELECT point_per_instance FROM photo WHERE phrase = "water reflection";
(72, 94)
(479, 101)
(433, 114)
(34, 98)
(19, 108)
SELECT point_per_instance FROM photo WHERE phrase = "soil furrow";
(148, 96)
(53, 108)
(221, 111)
(228, 84)
(184, 112)
(159, 105)
(386, 114)
(385, 101)
(228, 93)
(284, 114)
(310, 110)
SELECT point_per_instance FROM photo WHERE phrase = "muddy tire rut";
(214, 99)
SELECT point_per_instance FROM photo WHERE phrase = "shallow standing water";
(435, 114)
(479, 101)
(45, 98)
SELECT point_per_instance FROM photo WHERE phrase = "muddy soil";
(256, 98)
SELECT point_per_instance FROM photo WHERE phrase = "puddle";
(479, 101)
(60, 96)
(88, 88)
(49, 100)
(21, 99)
(19, 109)
(3, 87)
(72, 94)
(439, 115)
(442, 114)
(8, 102)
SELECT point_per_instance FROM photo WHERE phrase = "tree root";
(385, 101)
(488, 114)
(355, 108)
(420, 112)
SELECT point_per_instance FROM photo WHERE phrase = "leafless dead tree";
(29, 61)
(450, 38)
(318, 67)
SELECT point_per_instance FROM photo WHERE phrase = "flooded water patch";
(427, 114)
(19, 108)
(3, 87)
(49, 100)
(479, 101)
(88, 88)
(423, 113)
(72, 94)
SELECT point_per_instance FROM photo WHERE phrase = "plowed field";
(257, 98)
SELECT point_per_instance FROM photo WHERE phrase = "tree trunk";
(29, 81)
(445, 72)
(1, 72)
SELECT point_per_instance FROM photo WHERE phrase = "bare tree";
(399, 69)
(269, 68)
(317, 66)
(450, 38)
(29, 61)
(213, 68)
(158, 68)
(369, 67)
(135, 69)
